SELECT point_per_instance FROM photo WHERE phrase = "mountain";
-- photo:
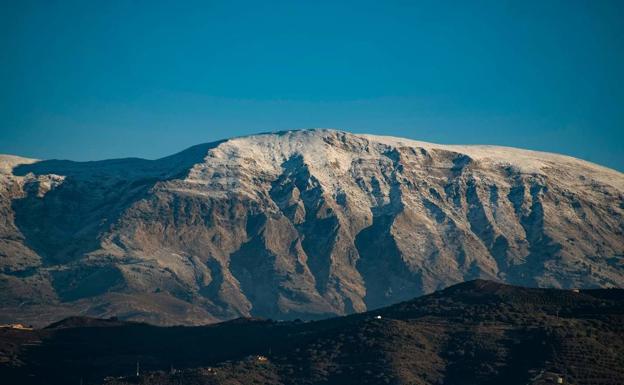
(299, 224)
(479, 332)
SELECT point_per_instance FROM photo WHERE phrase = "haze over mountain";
(298, 224)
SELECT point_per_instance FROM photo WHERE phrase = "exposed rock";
(300, 224)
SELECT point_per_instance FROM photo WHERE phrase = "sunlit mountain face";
(299, 224)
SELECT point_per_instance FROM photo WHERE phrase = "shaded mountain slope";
(478, 332)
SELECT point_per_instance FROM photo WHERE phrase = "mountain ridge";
(14, 158)
(298, 224)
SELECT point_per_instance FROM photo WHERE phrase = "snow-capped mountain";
(298, 224)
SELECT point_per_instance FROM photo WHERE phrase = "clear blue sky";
(91, 80)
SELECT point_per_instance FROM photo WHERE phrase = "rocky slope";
(300, 224)
(479, 332)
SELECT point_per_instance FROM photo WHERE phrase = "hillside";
(479, 332)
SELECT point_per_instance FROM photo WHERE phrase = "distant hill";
(478, 332)
(299, 224)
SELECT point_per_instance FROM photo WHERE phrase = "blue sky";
(92, 80)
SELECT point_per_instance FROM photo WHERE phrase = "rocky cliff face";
(298, 224)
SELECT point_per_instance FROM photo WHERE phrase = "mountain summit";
(297, 224)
